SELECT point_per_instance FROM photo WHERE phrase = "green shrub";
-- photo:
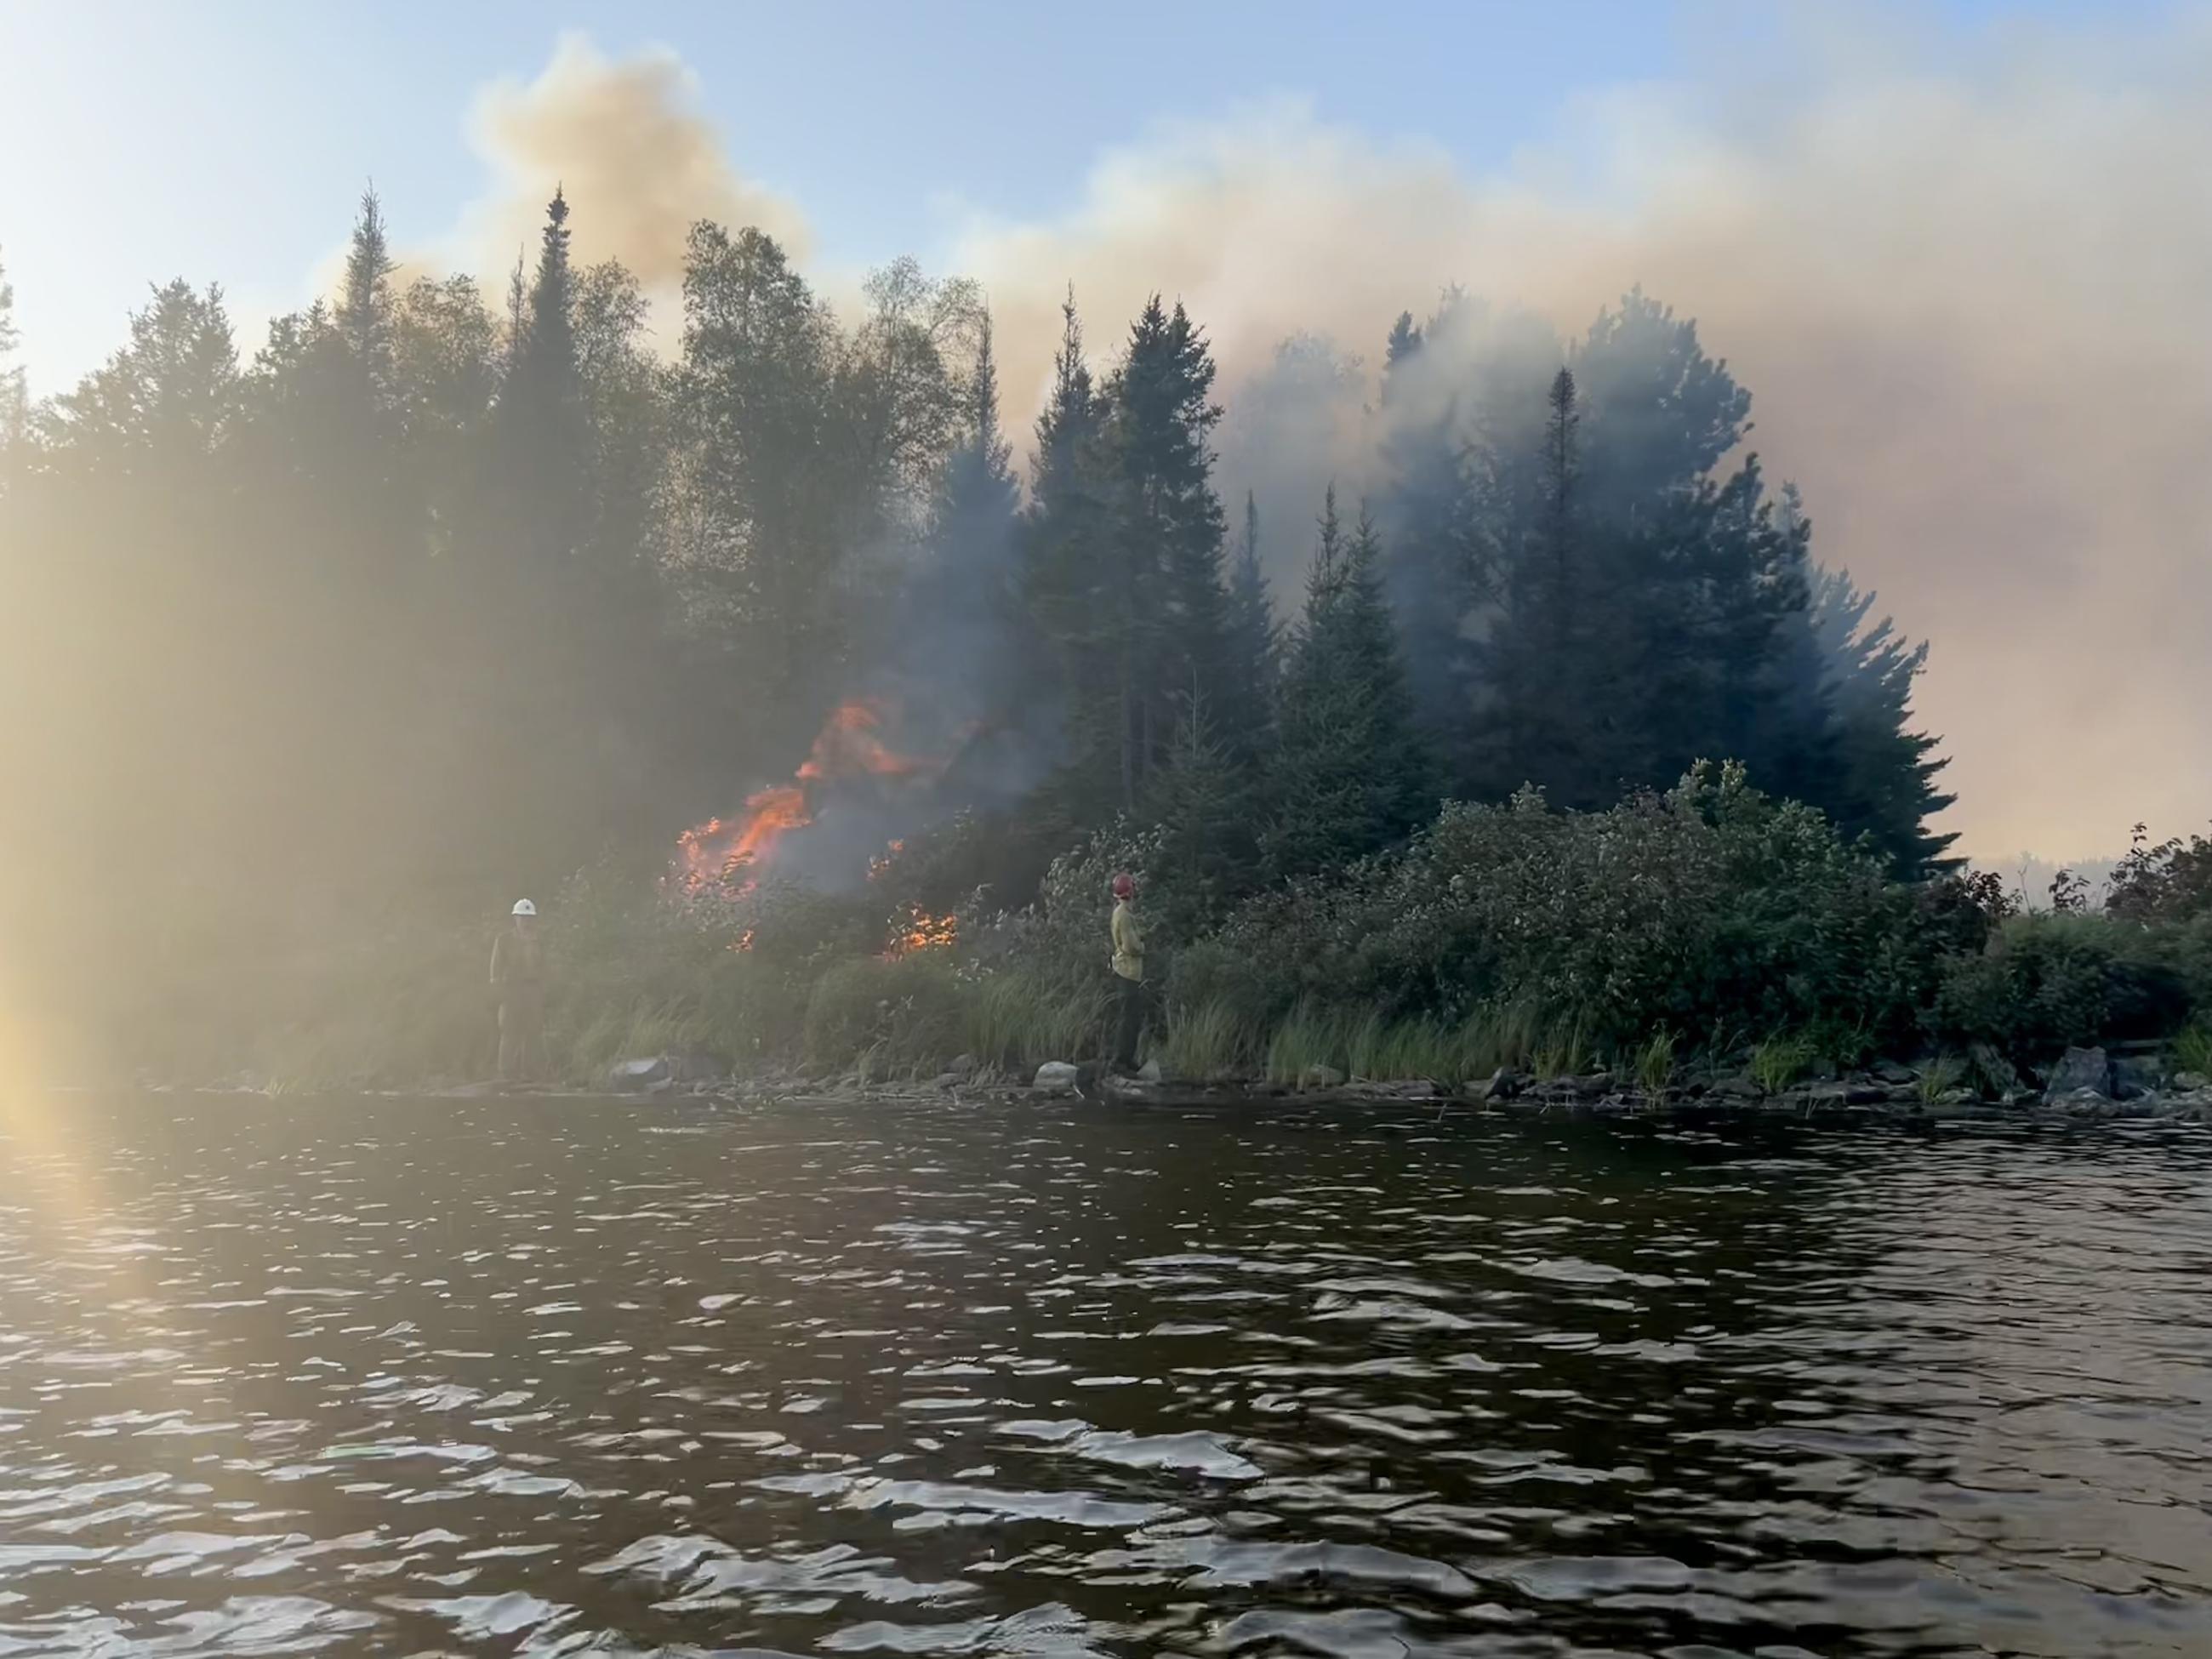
(2051, 980)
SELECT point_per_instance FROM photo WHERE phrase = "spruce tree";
(1201, 798)
(545, 449)
(1253, 658)
(1170, 612)
(1885, 783)
(1351, 774)
(364, 309)
(1069, 587)
(1427, 512)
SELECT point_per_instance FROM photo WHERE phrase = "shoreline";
(1826, 1104)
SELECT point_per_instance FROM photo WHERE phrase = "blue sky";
(227, 142)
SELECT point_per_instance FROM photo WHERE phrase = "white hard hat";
(524, 908)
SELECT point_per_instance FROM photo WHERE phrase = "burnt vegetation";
(325, 653)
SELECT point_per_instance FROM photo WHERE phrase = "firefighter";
(518, 977)
(1129, 974)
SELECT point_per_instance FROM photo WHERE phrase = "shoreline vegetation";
(430, 605)
(1709, 947)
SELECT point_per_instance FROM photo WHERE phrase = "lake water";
(556, 1377)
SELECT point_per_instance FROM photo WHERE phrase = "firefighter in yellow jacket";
(1129, 974)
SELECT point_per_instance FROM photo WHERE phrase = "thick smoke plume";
(626, 137)
(1967, 292)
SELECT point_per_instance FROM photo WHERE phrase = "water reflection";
(557, 1377)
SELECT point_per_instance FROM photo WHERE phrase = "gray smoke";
(1966, 285)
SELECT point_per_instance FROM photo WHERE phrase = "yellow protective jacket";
(1128, 943)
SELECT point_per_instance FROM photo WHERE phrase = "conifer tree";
(1426, 514)
(1069, 585)
(1171, 613)
(1351, 773)
(1201, 798)
(1253, 658)
(1887, 785)
(364, 308)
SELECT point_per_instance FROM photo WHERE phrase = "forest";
(817, 726)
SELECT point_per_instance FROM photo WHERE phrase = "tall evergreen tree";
(1071, 587)
(1427, 512)
(1168, 532)
(1201, 798)
(1351, 774)
(1253, 656)
(364, 309)
(1887, 785)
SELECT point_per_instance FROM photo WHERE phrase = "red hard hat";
(1124, 885)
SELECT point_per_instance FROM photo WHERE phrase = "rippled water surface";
(551, 1376)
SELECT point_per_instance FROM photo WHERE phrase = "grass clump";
(1204, 1043)
(1655, 1063)
(1939, 1077)
(1780, 1061)
(2192, 1050)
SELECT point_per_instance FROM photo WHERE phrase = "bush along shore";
(1707, 947)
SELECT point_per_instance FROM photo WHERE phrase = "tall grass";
(1364, 1045)
(1018, 1021)
(2192, 1050)
(1781, 1060)
(1939, 1077)
(1655, 1063)
(1204, 1043)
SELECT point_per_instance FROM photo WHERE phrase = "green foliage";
(896, 1016)
(1707, 908)
(1655, 1063)
(1349, 774)
(1939, 1077)
(1017, 1023)
(2050, 980)
(1204, 1042)
(2192, 1050)
(1781, 1060)
(2164, 881)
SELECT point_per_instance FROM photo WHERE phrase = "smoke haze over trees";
(421, 606)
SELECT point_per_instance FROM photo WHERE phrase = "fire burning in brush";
(918, 930)
(730, 853)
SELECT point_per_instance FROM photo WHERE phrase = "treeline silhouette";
(433, 600)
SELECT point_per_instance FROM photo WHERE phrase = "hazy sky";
(1943, 244)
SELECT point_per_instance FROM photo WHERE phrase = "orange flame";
(918, 930)
(726, 854)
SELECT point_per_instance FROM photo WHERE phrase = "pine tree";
(1252, 658)
(546, 449)
(364, 310)
(1884, 785)
(1171, 611)
(1351, 774)
(1427, 515)
(1069, 586)
(1201, 797)
(978, 492)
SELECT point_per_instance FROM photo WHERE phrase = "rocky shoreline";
(2084, 1085)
